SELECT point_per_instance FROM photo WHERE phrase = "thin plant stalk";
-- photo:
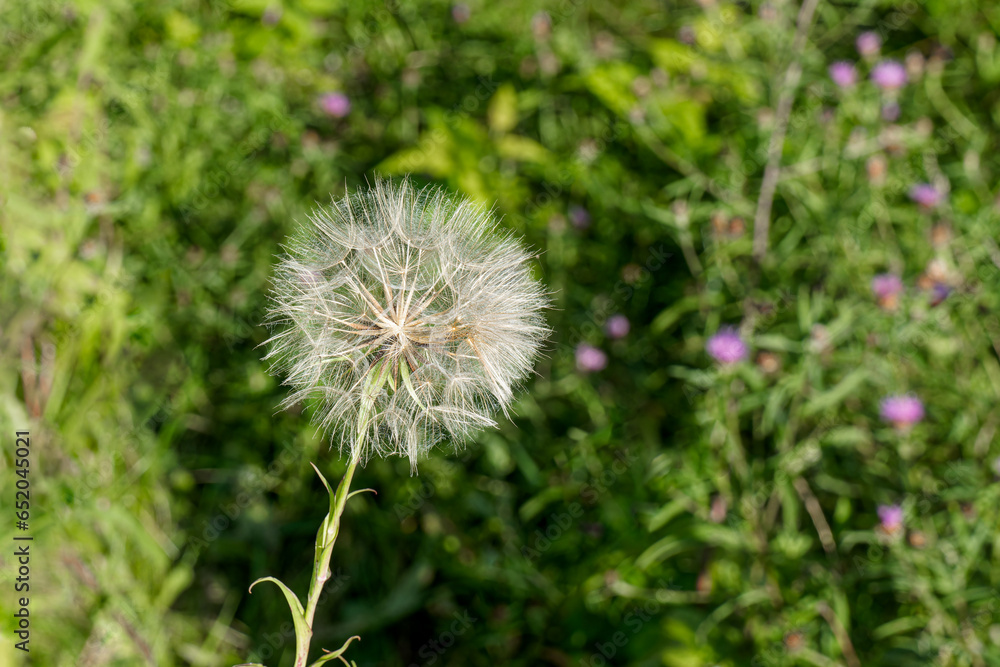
(325, 539)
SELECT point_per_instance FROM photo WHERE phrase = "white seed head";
(410, 317)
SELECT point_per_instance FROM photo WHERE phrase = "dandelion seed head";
(408, 315)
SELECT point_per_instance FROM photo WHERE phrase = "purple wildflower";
(843, 73)
(337, 105)
(868, 43)
(902, 411)
(926, 195)
(886, 284)
(891, 517)
(889, 75)
(727, 347)
(617, 326)
(887, 287)
(890, 112)
(589, 358)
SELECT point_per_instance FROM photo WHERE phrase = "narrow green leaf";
(405, 373)
(720, 613)
(302, 631)
(667, 318)
(671, 545)
(837, 394)
(329, 490)
(666, 513)
(898, 626)
(502, 111)
(321, 536)
(335, 654)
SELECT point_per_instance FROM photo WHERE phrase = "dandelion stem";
(321, 562)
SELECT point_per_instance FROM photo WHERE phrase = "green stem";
(730, 416)
(321, 561)
(327, 535)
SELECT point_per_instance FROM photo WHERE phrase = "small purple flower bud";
(617, 326)
(590, 359)
(890, 112)
(843, 73)
(541, 25)
(337, 105)
(460, 12)
(891, 517)
(579, 216)
(889, 75)
(939, 293)
(902, 411)
(926, 195)
(727, 347)
(868, 43)
(271, 16)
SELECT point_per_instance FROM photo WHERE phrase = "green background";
(662, 511)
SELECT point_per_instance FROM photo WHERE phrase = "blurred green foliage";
(662, 511)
